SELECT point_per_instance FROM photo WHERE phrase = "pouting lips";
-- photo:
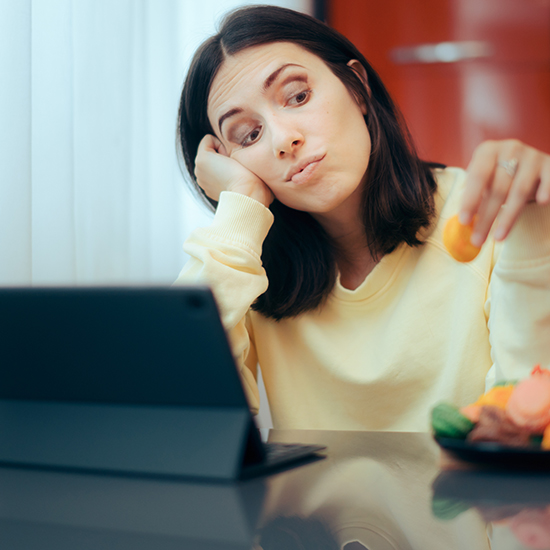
(306, 166)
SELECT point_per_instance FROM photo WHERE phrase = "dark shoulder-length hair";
(398, 196)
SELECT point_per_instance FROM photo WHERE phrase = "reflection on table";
(374, 490)
(42, 510)
(515, 505)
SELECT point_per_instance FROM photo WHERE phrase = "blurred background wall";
(90, 188)
(462, 71)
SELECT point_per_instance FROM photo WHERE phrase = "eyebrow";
(229, 113)
(267, 84)
(273, 76)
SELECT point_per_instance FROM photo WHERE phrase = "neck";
(354, 266)
(349, 238)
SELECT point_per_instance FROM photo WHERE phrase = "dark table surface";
(373, 490)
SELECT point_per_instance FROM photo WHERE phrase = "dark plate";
(496, 455)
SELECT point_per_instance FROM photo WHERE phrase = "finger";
(496, 186)
(543, 192)
(507, 196)
(213, 145)
(486, 216)
(209, 143)
(502, 185)
(522, 191)
(479, 176)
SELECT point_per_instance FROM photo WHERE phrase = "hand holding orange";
(456, 238)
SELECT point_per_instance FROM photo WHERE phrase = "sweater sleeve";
(227, 257)
(518, 305)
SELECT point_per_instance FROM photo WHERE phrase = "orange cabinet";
(461, 71)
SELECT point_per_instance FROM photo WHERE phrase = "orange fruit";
(456, 238)
(545, 445)
(496, 397)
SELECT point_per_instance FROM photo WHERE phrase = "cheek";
(258, 160)
(353, 123)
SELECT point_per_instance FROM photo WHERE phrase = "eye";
(300, 98)
(251, 137)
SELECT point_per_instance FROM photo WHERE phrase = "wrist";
(242, 219)
(256, 190)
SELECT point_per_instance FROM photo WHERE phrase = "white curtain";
(90, 188)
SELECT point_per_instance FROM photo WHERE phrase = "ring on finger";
(510, 166)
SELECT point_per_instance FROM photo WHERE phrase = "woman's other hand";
(216, 172)
(503, 176)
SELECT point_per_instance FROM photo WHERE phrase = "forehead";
(247, 70)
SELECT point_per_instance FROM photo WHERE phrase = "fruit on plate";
(456, 238)
(511, 413)
(529, 403)
(493, 425)
(497, 396)
(448, 421)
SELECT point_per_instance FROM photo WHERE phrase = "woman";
(325, 253)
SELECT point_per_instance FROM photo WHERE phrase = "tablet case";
(135, 380)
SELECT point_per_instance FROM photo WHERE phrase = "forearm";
(227, 257)
(519, 321)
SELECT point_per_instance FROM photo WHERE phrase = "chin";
(320, 201)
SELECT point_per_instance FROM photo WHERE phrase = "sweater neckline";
(384, 273)
(377, 280)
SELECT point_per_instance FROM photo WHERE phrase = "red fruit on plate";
(529, 403)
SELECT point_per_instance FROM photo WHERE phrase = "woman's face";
(283, 114)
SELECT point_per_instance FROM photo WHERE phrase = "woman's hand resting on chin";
(216, 172)
(503, 176)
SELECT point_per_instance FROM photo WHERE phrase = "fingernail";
(464, 217)
(499, 233)
(543, 197)
(477, 239)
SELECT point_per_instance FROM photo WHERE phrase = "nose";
(287, 139)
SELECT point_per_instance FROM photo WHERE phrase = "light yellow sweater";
(421, 328)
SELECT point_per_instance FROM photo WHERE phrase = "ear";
(361, 72)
